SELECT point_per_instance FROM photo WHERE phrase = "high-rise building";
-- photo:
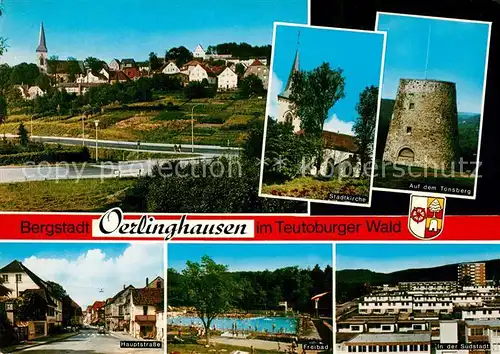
(475, 272)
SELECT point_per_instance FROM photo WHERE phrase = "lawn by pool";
(259, 324)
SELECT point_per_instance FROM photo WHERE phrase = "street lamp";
(83, 129)
(192, 128)
(96, 122)
(31, 128)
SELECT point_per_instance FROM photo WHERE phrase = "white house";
(93, 78)
(199, 52)
(227, 80)
(30, 93)
(144, 306)
(189, 66)
(170, 69)
(200, 72)
(387, 342)
(114, 64)
(20, 280)
(35, 91)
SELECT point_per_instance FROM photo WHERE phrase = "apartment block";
(472, 274)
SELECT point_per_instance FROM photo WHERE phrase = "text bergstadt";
(113, 224)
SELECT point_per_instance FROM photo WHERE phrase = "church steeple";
(42, 44)
(41, 51)
(295, 68)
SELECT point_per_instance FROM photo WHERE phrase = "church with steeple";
(285, 113)
(41, 51)
(340, 150)
(62, 71)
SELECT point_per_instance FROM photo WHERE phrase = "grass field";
(314, 188)
(130, 155)
(65, 195)
(219, 348)
(221, 120)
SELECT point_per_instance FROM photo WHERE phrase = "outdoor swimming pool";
(260, 324)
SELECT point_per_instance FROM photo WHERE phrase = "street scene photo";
(100, 114)
(81, 298)
(432, 104)
(322, 114)
(249, 298)
(416, 298)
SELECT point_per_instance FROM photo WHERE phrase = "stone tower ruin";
(424, 127)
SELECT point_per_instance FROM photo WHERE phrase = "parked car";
(101, 330)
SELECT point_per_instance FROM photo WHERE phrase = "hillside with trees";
(240, 50)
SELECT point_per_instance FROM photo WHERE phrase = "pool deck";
(256, 343)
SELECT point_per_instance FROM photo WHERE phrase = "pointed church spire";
(42, 45)
(295, 68)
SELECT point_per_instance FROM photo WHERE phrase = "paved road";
(127, 145)
(89, 342)
(83, 171)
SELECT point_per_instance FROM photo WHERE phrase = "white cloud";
(14, 56)
(276, 86)
(93, 270)
(334, 124)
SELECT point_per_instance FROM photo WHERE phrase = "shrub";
(50, 155)
(196, 89)
(231, 188)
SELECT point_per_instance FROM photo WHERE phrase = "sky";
(386, 258)
(108, 29)
(84, 268)
(251, 257)
(457, 53)
(358, 54)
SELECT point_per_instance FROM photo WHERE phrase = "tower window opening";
(408, 130)
(412, 105)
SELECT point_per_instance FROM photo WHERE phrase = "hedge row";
(50, 156)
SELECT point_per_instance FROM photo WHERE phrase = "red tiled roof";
(132, 72)
(97, 305)
(337, 141)
(147, 296)
(118, 75)
(192, 63)
(257, 62)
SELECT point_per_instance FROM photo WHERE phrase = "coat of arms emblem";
(426, 217)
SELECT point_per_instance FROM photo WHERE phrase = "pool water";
(259, 324)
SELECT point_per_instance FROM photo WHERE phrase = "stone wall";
(284, 110)
(341, 163)
(424, 127)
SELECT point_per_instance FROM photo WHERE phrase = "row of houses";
(442, 317)
(135, 311)
(442, 337)
(74, 77)
(54, 310)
